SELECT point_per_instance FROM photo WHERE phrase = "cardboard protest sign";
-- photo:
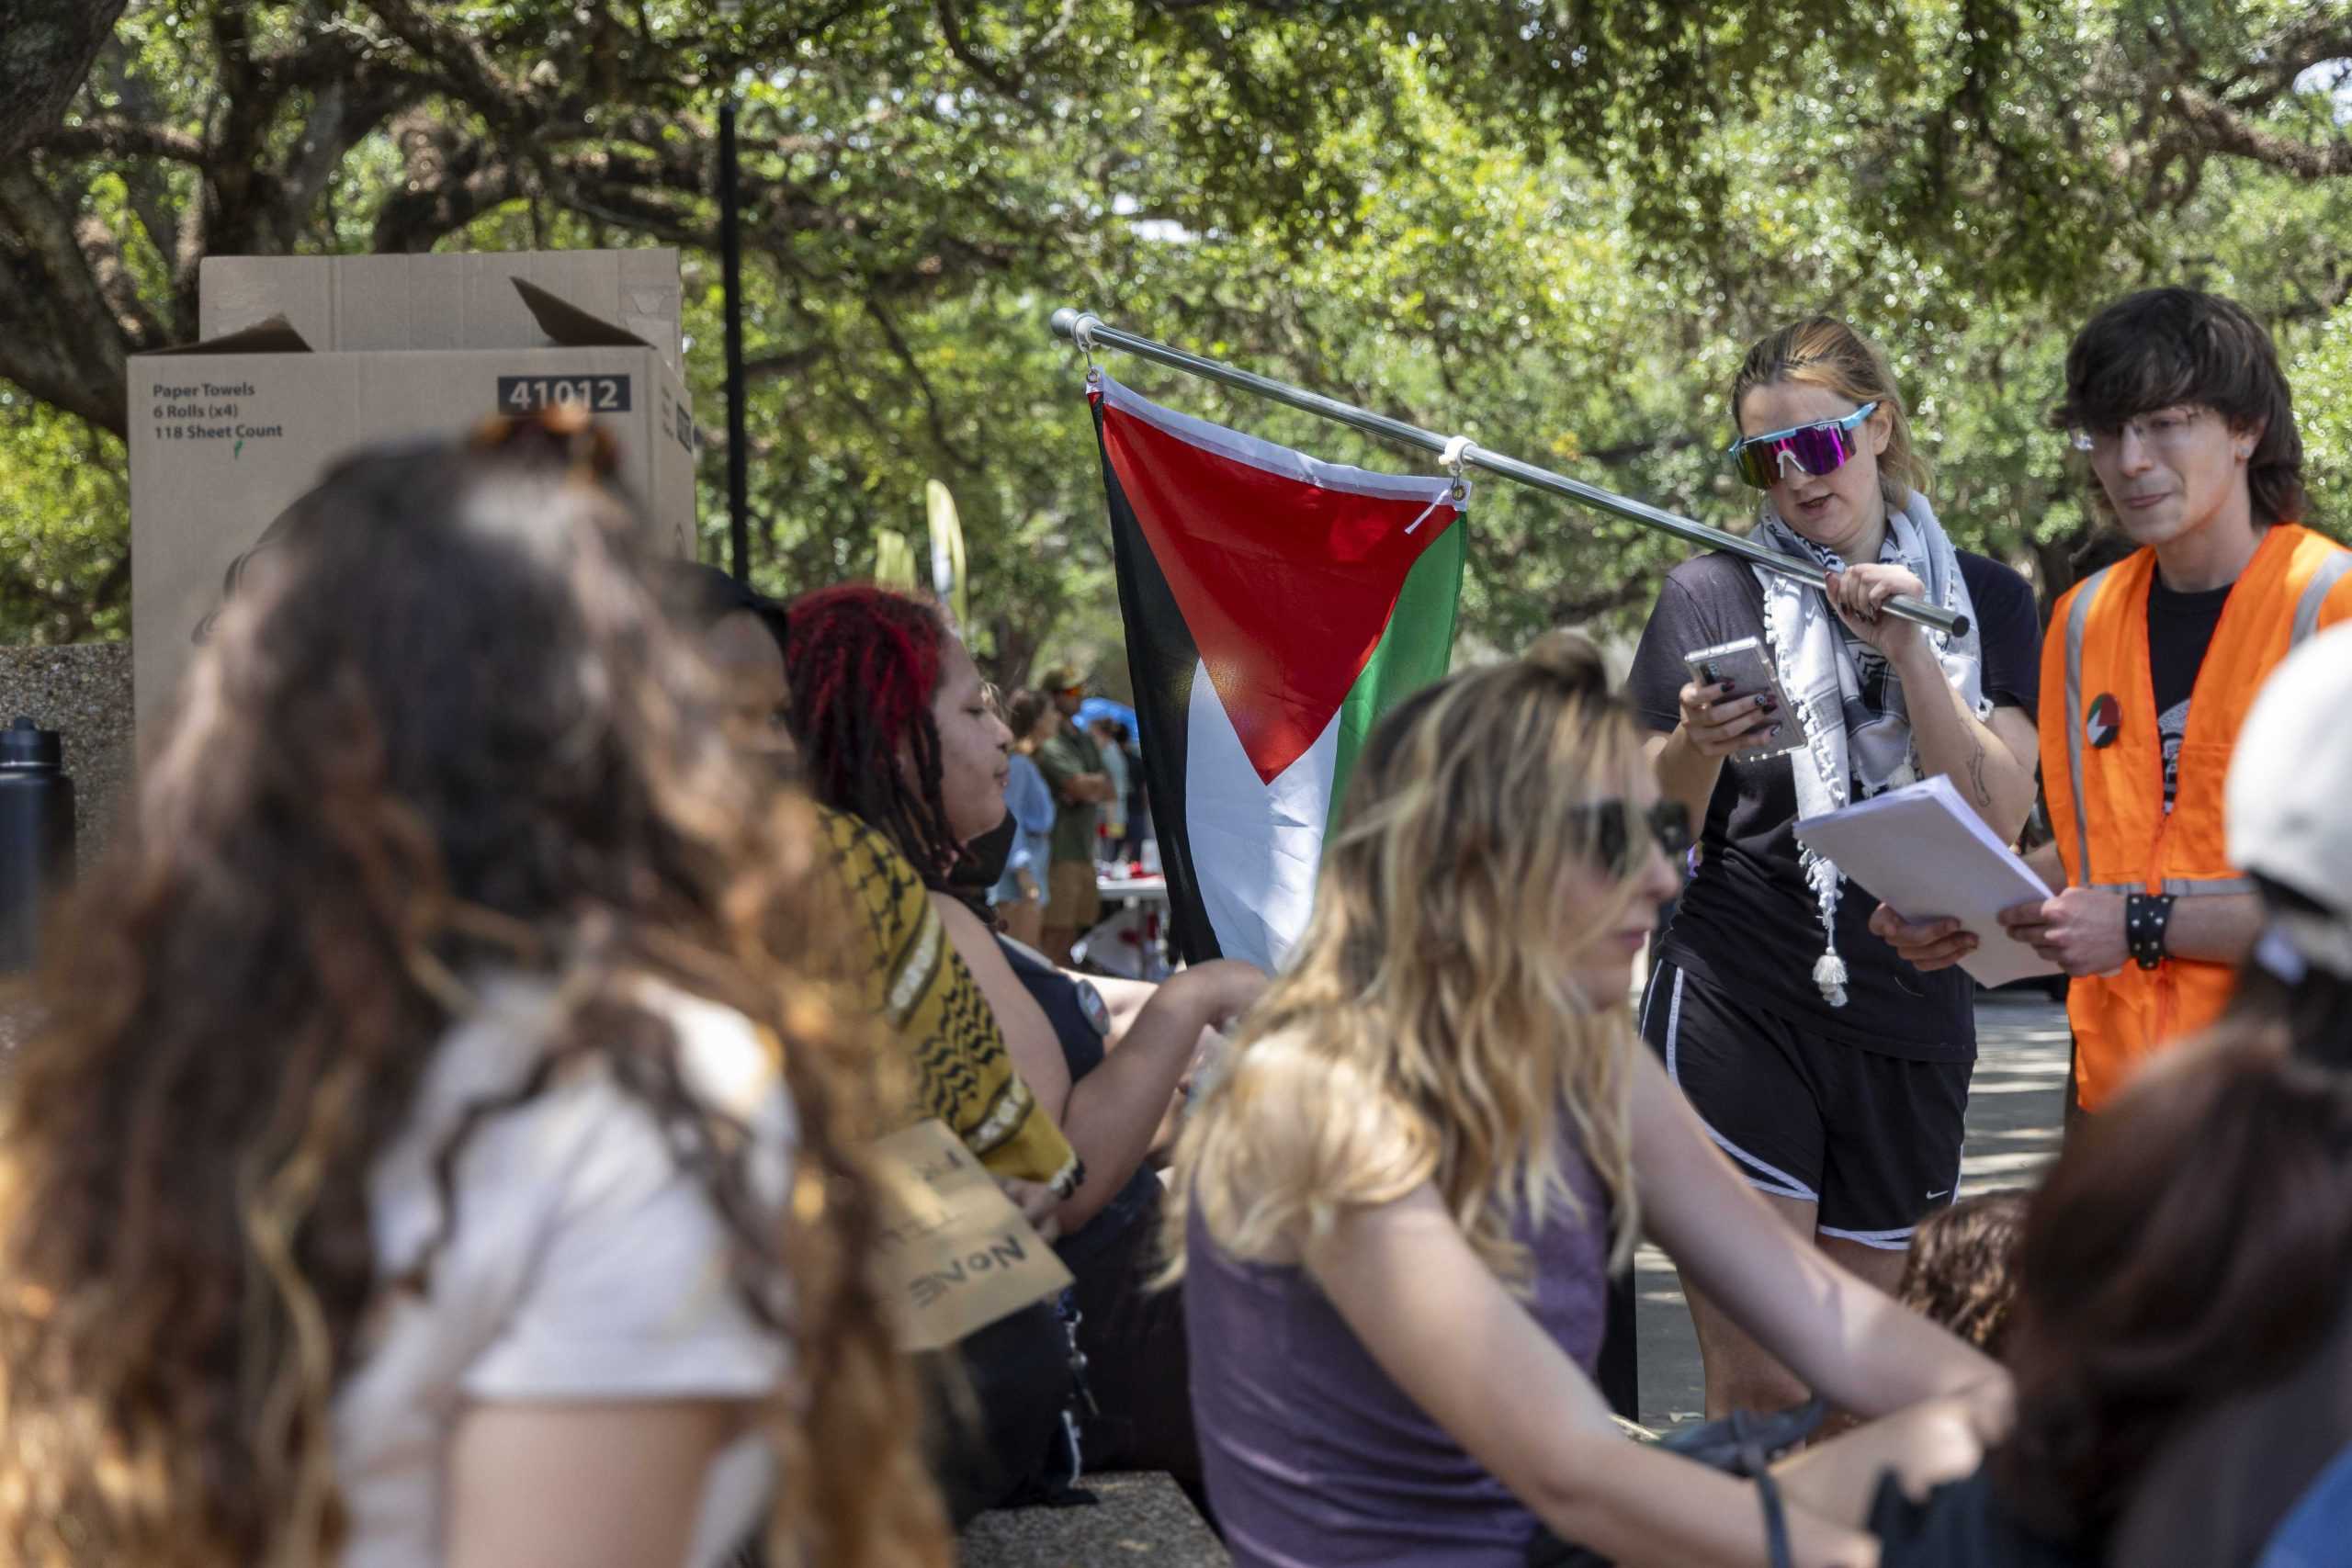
(954, 1254)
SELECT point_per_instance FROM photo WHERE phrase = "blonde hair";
(1824, 352)
(1430, 1028)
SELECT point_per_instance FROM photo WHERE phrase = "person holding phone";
(1833, 1074)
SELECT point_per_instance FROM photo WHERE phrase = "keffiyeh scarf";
(1857, 726)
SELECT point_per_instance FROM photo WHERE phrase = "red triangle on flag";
(1287, 586)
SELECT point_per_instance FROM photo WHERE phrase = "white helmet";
(2290, 794)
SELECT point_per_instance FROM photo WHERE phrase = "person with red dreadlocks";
(893, 725)
(997, 1401)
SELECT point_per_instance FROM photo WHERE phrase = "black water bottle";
(36, 835)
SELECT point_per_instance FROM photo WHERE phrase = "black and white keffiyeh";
(1856, 727)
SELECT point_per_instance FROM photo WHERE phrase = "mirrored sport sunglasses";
(1615, 832)
(1819, 448)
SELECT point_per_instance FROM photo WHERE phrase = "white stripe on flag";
(1255, 847)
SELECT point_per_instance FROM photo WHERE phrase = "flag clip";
(1457, 494)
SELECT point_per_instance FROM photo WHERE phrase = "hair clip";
(560, 433)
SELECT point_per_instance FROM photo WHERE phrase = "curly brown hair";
(442, 730)
(1962, 1270)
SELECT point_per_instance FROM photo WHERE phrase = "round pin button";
(2105, 721)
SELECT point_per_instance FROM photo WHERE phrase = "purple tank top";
(1314, 1457)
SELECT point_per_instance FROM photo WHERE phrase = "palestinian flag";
(1275, 608)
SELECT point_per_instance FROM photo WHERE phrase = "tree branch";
(951, 27)
(769, 366)
(2220, 129)
(329, 52)
(448, 182)
(148, 182)
(2271, 67)
(45, 51)
(417, 221)
(904, 356)
(102, 254)
(467, 67)
(59, 338)
(121, 139)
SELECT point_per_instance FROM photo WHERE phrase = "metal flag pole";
(1087, 331)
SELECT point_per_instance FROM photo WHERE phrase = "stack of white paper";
(1921, 850)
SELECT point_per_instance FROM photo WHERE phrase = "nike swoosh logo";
(1932, 1196)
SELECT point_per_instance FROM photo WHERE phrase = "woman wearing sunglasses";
(1395, 1212)
(1832, 1073)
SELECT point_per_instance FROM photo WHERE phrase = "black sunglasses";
(1608, 828)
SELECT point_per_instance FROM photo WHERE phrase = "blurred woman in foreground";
(429, 1154)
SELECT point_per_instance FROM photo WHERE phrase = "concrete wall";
(82, 690)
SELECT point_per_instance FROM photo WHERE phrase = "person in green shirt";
(1074, 772)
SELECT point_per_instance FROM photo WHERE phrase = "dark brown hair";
(1962, 1270)
(1022, 713)
(2165, 347)
(441, 731)
(2193, 1241)
(2312, 1002)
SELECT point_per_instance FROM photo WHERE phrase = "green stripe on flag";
(1413, 651)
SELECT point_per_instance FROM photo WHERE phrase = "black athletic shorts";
(1873, 1140)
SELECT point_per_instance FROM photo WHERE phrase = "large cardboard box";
(441, 299)
(227, 432)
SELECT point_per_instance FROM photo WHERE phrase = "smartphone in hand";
(1747, 665)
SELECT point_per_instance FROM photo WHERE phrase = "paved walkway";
(2015, 1105)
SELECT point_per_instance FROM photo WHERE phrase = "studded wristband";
(2146, 917)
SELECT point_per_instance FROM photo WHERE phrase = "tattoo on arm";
(1976, 775)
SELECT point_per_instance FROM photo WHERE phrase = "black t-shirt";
(2180, 629)
(1080, 1025)
(1748, 921)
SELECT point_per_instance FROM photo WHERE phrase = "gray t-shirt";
(1314, 1457)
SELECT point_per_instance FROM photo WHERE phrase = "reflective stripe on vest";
(2077, 618)
(2181, 886)
(2315, 599)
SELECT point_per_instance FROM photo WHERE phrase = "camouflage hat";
(1059, 678)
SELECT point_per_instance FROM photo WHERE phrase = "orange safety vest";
(2106, 801)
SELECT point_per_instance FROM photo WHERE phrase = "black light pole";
(730, 259)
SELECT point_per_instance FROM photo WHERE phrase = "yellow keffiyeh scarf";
(920, 985)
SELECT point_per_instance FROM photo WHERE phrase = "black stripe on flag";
(1161, 657)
